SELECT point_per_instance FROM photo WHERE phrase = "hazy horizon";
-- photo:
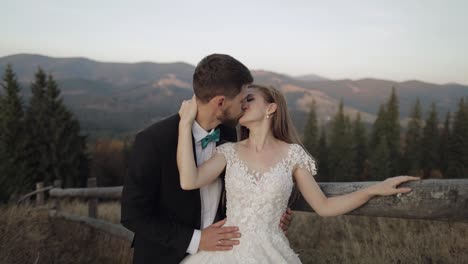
(266, 70)
(398, 40)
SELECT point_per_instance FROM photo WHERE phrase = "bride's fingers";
(181, 107)
(404, 190)
(193, 105)
(409, 178)
(184, 105)
(188, 108)
(401, 179)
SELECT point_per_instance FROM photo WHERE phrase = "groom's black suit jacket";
(154, 206)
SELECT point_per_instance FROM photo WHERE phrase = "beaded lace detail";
(255, 203)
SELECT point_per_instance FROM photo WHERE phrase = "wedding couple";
(193, 194)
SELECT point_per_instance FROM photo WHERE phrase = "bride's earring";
(268, 116)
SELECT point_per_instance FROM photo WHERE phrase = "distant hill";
(26, 65)
(311, 77)
(116, 98)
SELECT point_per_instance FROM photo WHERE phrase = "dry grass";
(29, 236)
(358, 239)
(21, 234)
(109, 211)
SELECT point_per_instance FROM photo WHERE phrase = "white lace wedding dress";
(255, 203)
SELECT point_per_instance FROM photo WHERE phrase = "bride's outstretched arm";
(343, 204)
(192, 177)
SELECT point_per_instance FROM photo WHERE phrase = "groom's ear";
(218, 100)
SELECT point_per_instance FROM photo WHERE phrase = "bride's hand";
(389, 186)
(188, 111)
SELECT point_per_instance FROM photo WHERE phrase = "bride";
(260, 172)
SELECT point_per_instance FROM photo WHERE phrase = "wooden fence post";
(92, 202)
(39, 195)
(57, 184)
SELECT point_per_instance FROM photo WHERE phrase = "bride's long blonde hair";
(281, 123)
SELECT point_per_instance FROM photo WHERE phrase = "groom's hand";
(286, 220)
(217, 237)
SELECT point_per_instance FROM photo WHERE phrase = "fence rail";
(39, 192)
(93, 192)
(445, 200)
(430, 199)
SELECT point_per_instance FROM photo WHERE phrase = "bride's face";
(233, 109)
(255, 108)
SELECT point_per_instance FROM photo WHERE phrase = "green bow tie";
(210, 137)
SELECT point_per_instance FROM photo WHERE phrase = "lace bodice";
(257, 200)
(255, 203)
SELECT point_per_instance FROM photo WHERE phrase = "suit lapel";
(196, 194)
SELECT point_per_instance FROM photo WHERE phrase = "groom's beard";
(228, 119)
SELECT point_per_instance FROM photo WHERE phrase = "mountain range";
(121, 98)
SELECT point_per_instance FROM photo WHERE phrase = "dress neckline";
(255, 173)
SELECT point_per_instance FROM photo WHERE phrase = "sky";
(397, 40)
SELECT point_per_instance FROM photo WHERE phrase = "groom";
(168, 222)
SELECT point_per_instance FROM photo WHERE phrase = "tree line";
(40, 141)
(346, 151)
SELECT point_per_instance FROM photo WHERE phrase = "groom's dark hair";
(219, 74)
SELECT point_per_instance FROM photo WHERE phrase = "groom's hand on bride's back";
(286, 220)
(217, 237)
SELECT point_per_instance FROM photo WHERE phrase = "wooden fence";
(431, 199)
(445, 200)
(91, 194)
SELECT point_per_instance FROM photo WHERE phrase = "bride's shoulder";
(239, 144)
(301, 158)
(297, 151)
(242, 142)
(294, 147)
(225, 148)
(227, 143)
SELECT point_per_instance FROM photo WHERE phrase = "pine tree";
(359, 147)
(458, 144)
(36, 118)
(413, 142)
(380, 166)
(311, 131)
(322, 157)
(430, 144)
(340, 154)
(12, 131)
(350, 154)
(392, 132)
(379, 127)
(444, 145)
(66, 146)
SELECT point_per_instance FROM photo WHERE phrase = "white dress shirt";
(209, 194)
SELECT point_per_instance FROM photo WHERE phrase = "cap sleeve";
(226, 150)
(302, 159)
